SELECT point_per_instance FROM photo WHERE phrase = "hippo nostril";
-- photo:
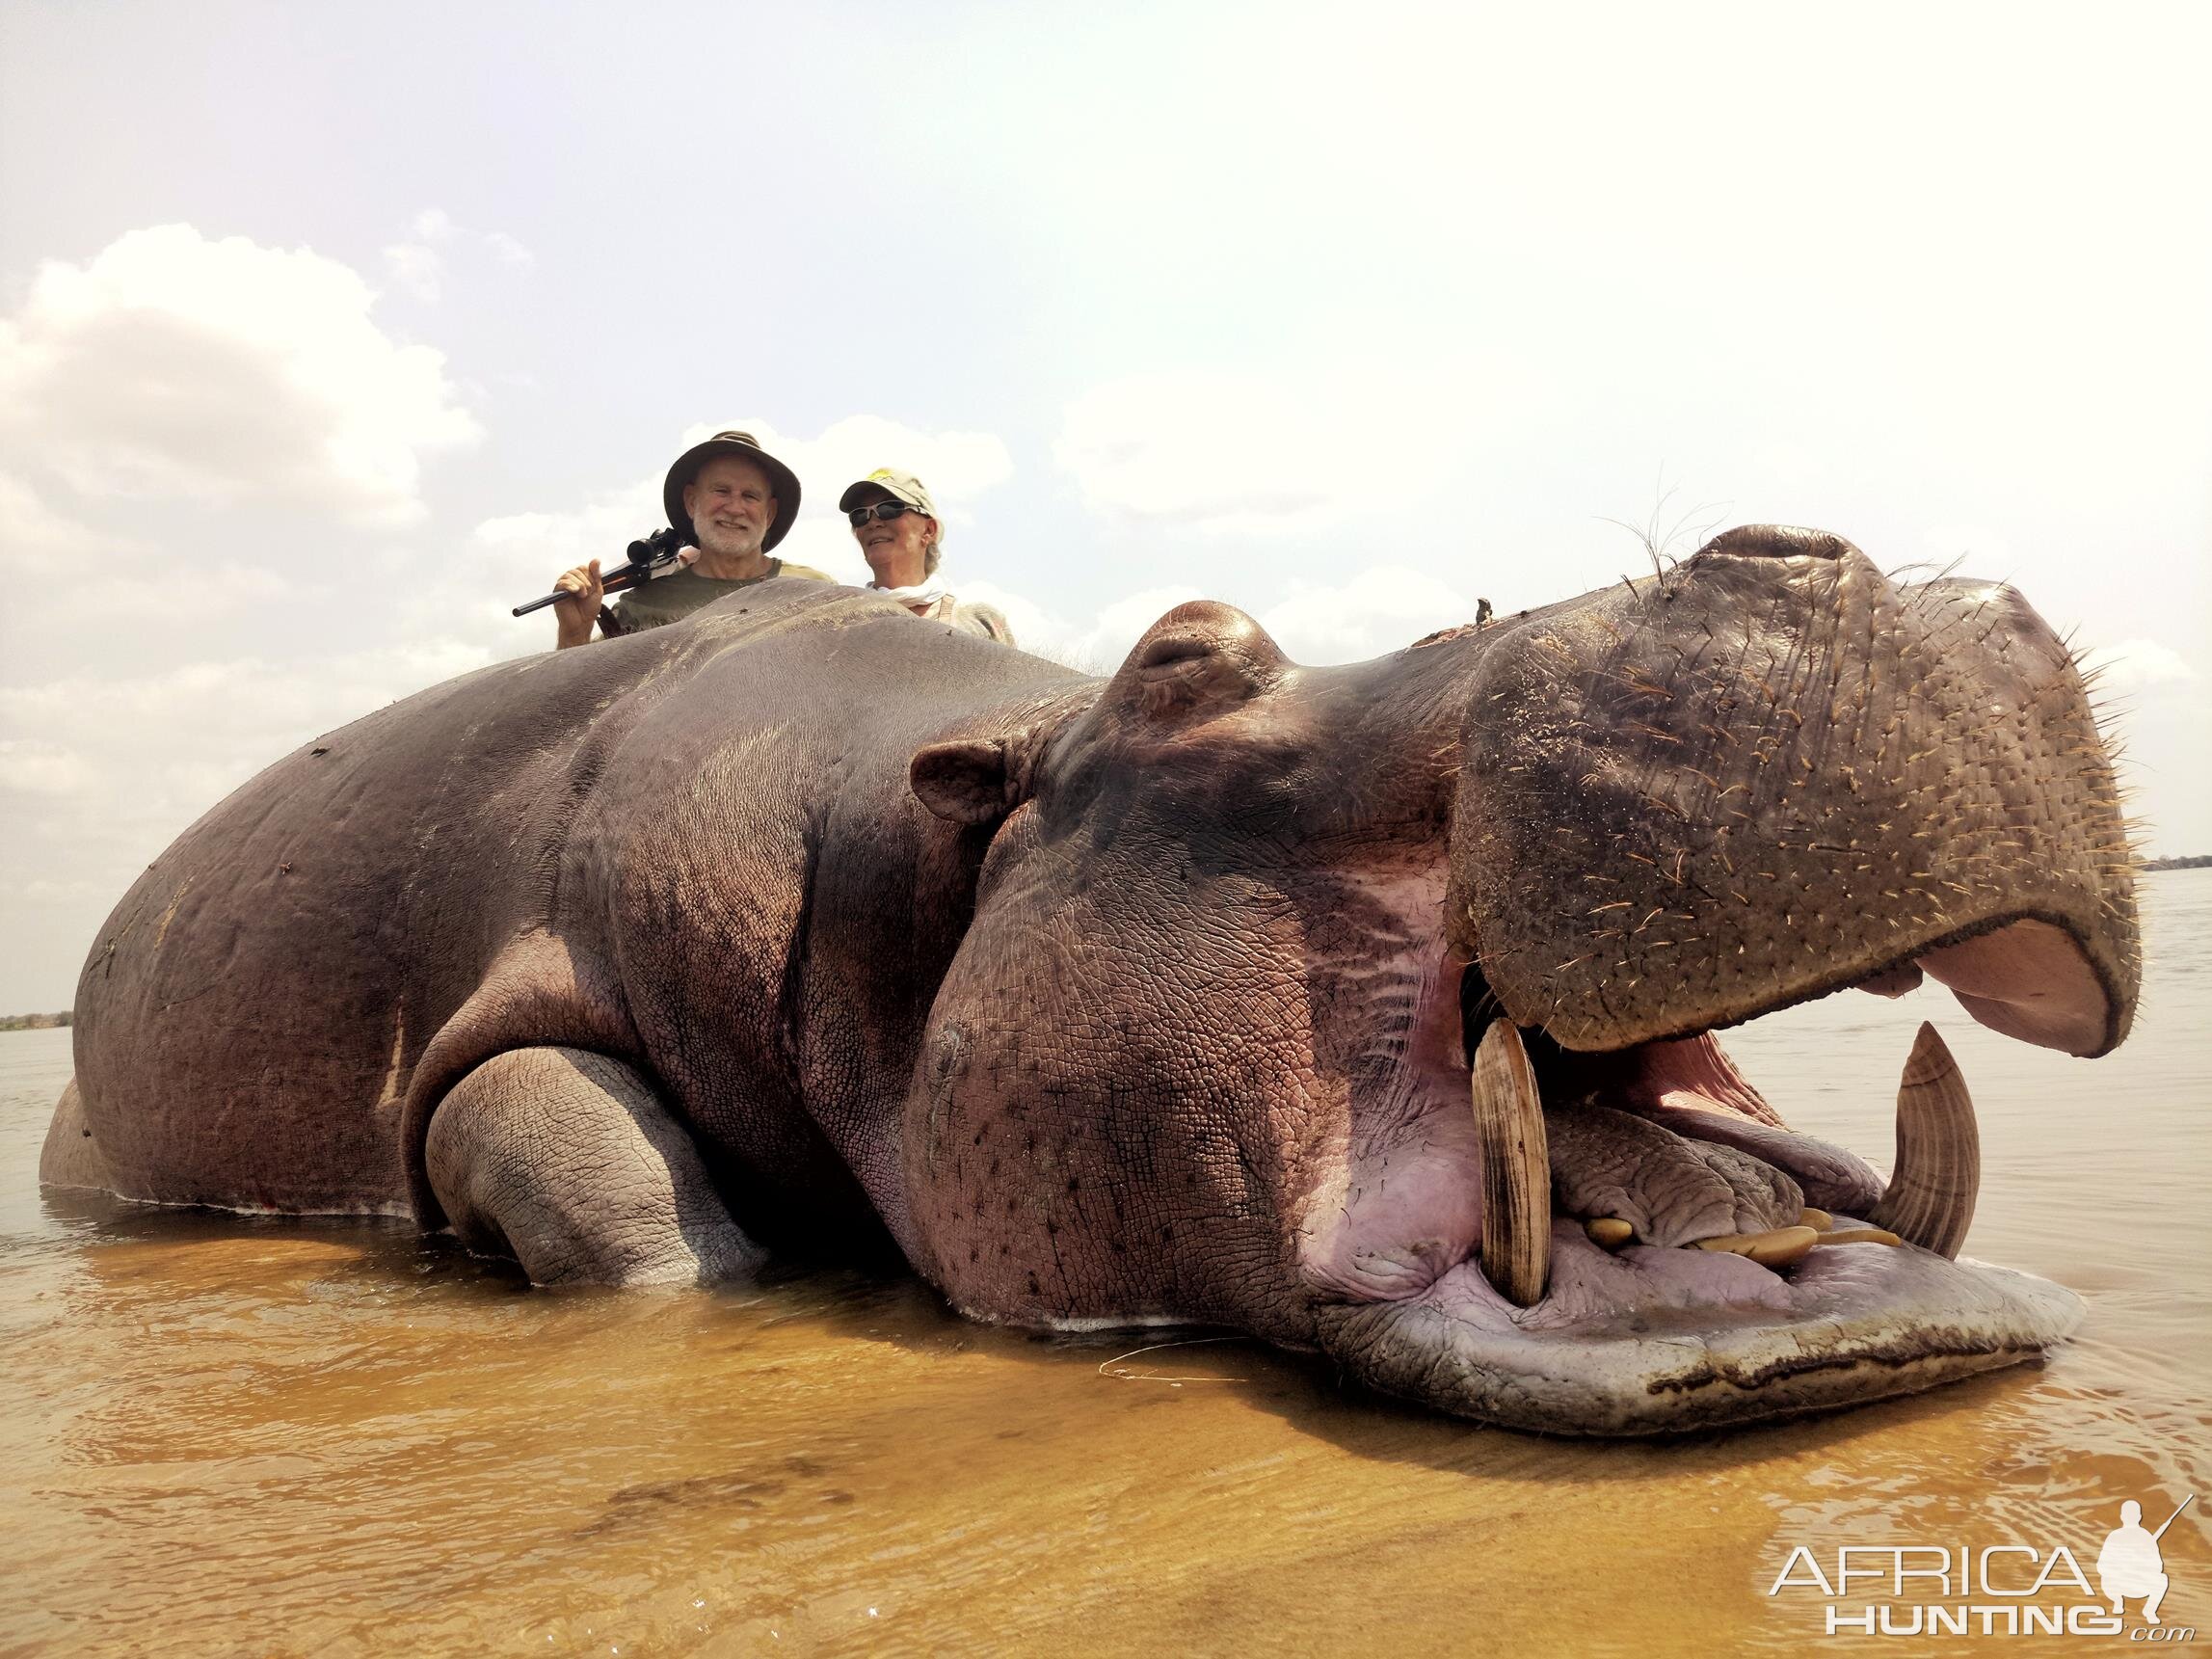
(1778, 542)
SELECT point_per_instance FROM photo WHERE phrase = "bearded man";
(732, 501)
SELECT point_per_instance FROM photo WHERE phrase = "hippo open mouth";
(1656, 1251)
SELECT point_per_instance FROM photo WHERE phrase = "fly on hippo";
(1366, 1010)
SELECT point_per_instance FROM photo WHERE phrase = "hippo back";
(252, 1015)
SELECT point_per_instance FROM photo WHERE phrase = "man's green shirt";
(672, 598)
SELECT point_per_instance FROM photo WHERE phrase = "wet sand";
(314, 1437)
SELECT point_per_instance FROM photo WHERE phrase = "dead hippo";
(806, 926)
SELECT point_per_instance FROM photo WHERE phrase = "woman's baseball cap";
(899, 486)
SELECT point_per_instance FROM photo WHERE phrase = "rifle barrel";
(617, 580)
(2171, 1519)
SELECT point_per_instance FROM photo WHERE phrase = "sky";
(328, 334)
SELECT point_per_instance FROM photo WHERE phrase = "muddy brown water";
(318, 1438)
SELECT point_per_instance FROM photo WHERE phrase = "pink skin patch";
(1400, 1202)
(1398, 1205)
(1590, 1290)
(1589, 1285)
(1693, 1071)
(2029, 980)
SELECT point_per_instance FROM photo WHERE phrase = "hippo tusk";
(1930, 1201)
(1516, 1168)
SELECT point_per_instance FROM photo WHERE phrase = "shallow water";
(221, 1434)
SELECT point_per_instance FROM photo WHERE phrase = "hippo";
(1368, 1010)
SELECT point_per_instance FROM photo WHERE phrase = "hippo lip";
(1850, 1324)
(1655, 1340)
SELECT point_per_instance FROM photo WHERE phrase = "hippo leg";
(565, 1161)
(72, 1157)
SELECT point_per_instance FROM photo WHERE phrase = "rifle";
(2171, 1519)
(650, 558)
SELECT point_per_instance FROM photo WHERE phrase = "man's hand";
(578, 606)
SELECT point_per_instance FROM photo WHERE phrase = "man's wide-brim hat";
(745, 447)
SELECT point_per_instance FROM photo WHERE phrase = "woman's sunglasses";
(883, 512)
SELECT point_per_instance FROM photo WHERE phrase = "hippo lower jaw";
(1850, 1323)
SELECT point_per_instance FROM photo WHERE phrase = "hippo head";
(1371, 1009)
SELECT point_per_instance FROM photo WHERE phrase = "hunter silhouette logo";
(1958, 1588)
(2130, 1565)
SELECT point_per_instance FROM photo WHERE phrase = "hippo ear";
(969, 780)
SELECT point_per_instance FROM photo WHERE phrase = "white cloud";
(172, 596)
(1369, 614)
(828, 546)
(36, 768)
(418, 269)
(1096, 647)
(1947, 544)
(547, 544)
(179, 367)
(1117, 628)
(1035, 629)
(247, 698)
(43, 891)
(1235, 451)
(1376, 612)
(36, 540)
(76, 590)
(516, 558)
(419, 264)
(100, 770)
(956, 466)
(127, 762)
(2140, 664)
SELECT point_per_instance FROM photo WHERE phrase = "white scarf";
(920, 596)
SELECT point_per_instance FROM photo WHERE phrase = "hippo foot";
(564, 1161)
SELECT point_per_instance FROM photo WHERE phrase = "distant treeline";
(2200, 862)
(31, 1022)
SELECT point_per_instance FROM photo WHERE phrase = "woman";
(903, 540)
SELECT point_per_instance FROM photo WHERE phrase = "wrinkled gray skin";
(806, 926)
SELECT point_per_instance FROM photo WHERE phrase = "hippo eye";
(1172, 651)
(1174, 672)
(1177, 672)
